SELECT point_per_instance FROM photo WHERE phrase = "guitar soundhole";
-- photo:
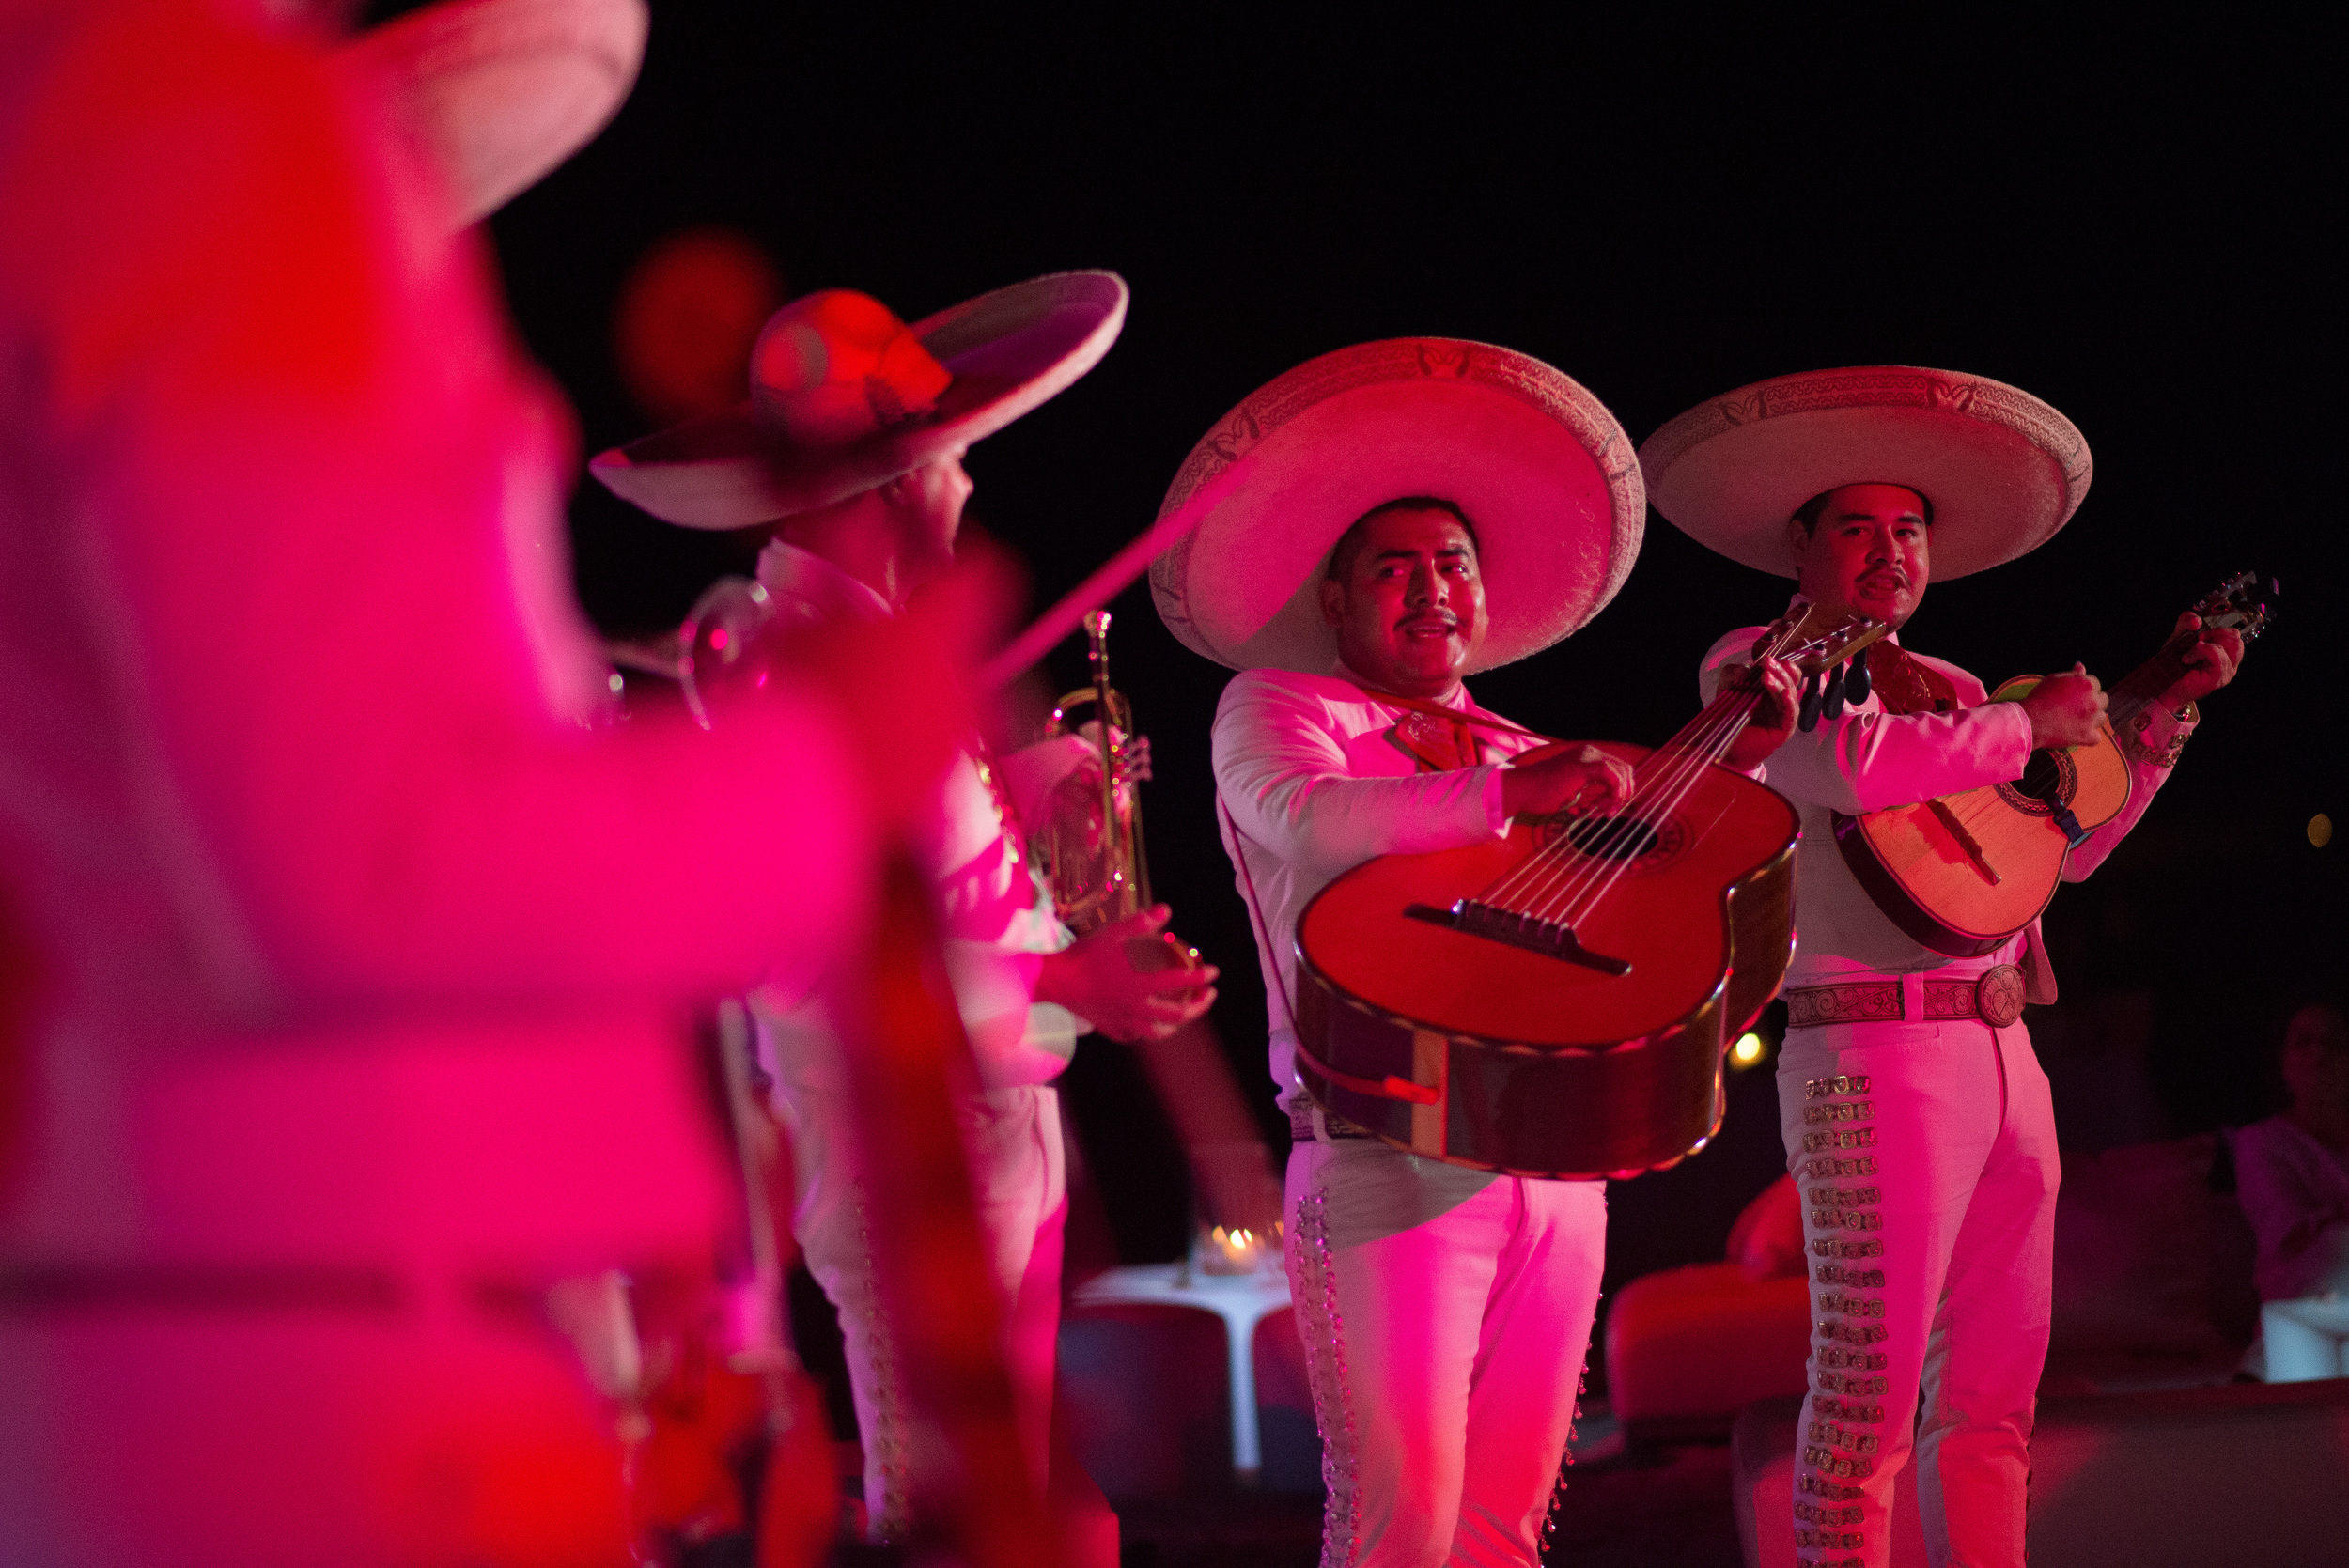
(2046, 772)
(1619, 838)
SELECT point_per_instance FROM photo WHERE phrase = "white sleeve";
(1280, 770)
(1865, 762)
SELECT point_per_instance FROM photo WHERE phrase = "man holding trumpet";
(850, 448)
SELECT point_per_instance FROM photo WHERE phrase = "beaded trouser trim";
(1843, 1418)
(1565, 1463)
(891, 1514)
(1315, 1284)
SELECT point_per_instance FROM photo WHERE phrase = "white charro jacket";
(1868, 760)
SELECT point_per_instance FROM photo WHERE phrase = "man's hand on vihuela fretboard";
(2210, 662)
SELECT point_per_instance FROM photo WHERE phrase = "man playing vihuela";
(850, 450)
(1358, 511)
(1916, 1118)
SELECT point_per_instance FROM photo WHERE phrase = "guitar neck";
(1708, 734)
(2143, 686)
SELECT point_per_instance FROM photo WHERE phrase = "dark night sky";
(2131, 222)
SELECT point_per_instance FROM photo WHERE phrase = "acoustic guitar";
(1964, 873)
(1557, 1003)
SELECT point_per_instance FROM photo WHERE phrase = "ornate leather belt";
(1301, 1124)
(1994, 997)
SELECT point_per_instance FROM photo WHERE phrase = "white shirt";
(1868, 760)
(1311, 782)
(994, 910)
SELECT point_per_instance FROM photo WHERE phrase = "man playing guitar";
(1914, 1116)
(1445, 1310)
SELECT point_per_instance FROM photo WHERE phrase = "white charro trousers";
(1926, 1156)
(1020, 1183)
(1446, 1315)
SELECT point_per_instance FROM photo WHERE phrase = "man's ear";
(1797, 544)
(1332, 601)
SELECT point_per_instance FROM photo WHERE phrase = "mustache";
(1428, 617)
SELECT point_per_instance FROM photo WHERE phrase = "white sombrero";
(2003, 470)
(497, 93)
(832, 412)
(1536, 463)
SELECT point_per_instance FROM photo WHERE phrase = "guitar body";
(1498, 1057)
(1964, 873)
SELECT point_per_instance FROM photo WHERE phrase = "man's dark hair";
(1349, 545)
(1807, 513)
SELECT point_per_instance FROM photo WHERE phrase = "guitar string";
(1563, 869)
(1578, 903)
(1578, 868)
(1688, 753)
(1543, 870)
(1536, 881)
(1536, 877)
(1628, 818)
(1583, 910)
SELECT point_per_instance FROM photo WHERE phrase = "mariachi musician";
(1914, 1113)
(850, 450)
(1389, 486)
(345, 1046)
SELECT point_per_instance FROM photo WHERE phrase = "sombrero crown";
(2003, 470)
(1537, 463)
(844, 397)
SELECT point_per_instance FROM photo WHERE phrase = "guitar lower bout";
(1480, 1034)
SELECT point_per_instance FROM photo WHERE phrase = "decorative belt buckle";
(1998, 994)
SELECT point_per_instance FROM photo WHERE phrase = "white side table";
(1241, 1300)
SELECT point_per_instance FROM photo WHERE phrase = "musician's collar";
(1458, 699)
(818, 589)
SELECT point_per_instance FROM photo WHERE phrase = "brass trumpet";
(1092, 850)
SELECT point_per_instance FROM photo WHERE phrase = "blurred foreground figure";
(2291, 1171)
(850, 448)
(364, 960)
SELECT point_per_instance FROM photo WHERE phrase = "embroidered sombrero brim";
(1537, 463)
(2003, 470)
(495, 93)
(1008, 351)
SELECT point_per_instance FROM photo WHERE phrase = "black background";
(2133, 221)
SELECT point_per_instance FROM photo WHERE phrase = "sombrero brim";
(498, 92)
(1536, 463)
(1008, 351)
(2003, 470)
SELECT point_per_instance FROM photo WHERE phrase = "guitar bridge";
(1551, 939)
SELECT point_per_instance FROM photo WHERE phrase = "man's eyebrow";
(1400, 553)
(1907, 512)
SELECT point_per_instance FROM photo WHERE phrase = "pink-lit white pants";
(1926, 1156)
(1445, 1315)
(1020, 1181)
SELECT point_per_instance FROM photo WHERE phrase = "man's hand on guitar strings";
(1575, 778)
(1773, 717)
(2066, 709)
(2211, 660)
